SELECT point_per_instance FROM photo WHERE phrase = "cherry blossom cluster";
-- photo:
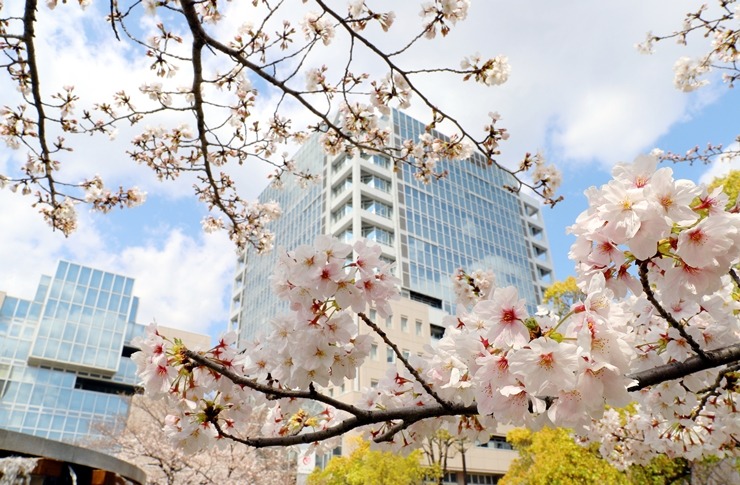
(317, 344)
(491, 72)
(720, 24)
(670, 251)
(444, 14)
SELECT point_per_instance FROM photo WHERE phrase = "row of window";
(450, 478)
(371, 205)
(84, 276)
(404, 323)
(371, 180)
(377, 234)
(390, 354)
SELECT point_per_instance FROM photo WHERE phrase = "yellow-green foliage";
(551, 457)
(370, 467)
(730, 183)
(561, 294)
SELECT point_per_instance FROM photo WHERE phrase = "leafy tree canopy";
(365, 466)
(551, 456)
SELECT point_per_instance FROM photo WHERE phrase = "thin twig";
(667, 316)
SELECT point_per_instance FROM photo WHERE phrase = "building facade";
(65, 354)
(466, 220)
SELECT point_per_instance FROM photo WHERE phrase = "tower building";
(466, 220)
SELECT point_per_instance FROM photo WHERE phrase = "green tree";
(550, 456)
(371, 467)
(562, 294)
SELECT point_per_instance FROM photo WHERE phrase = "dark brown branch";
(199, 42)
(359, 417)
(735, 277)
(713, 390)
(29, 21)
(663, 313)
(676, 370)
(276, 392)
(408, 415)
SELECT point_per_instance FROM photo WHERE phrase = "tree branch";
(408, 415)
(663, 313)
(676, 370)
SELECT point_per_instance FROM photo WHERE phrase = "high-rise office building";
(466, 220)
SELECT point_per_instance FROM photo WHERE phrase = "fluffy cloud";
(182, 282)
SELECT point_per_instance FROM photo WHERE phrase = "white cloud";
(181, 281)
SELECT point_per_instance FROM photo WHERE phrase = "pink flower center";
(509, 316)
(697, 236)
(547, 360)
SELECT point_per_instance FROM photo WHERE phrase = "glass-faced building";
(466, 220)
(65, 354)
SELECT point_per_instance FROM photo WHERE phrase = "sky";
(579, 92)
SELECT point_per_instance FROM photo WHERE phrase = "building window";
(497, 442)
(341, 212)
(374, 351)
(404, 324)
(390, 357)
(406, 354)
(372, 315)
(386, 259)
(378, 235)
(449, 478)
(339, 164)
(419, 329)
(341, 186)
(377, 207)
(477, 479)
(373, 383)
(436, 332)
(346, 236)
(389, 321)
(376, 182)
(381, 161)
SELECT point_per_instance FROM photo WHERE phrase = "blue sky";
(579, 92)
